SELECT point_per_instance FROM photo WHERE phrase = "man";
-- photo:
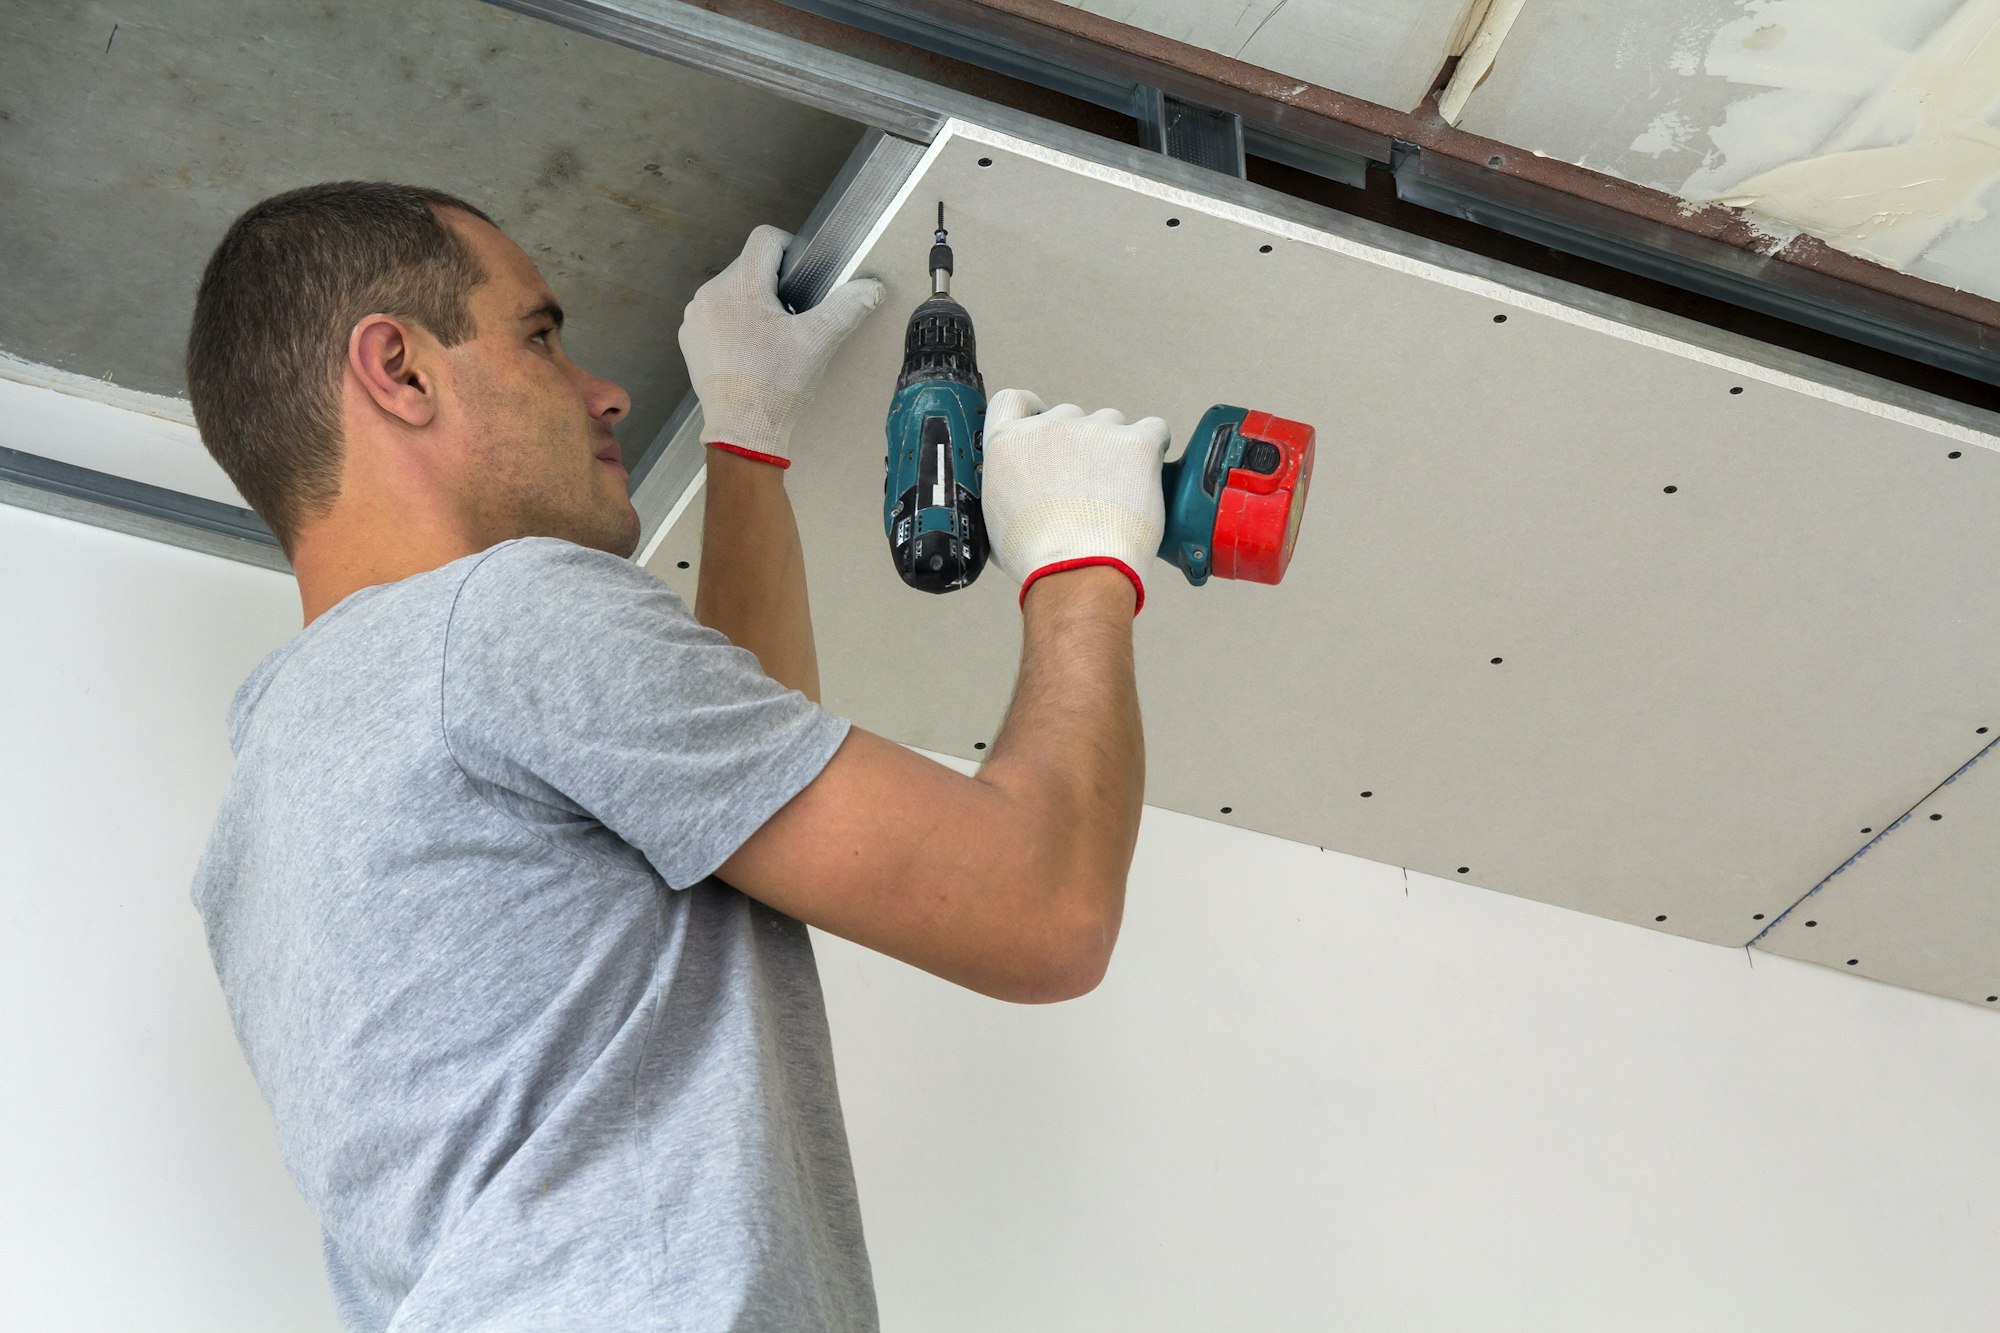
(506, 890)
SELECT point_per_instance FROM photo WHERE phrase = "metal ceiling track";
(102, 499)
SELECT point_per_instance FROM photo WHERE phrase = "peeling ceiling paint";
(1867, 123)
(1913, 161)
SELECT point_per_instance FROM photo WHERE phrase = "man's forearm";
(1072, 748)
(753, 575)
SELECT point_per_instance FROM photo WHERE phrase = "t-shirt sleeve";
(577, 680)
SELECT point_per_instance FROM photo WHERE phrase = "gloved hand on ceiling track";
(1064, 490)
(752, 363)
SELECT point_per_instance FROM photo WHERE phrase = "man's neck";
(335, 559)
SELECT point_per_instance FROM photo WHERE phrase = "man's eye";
(542, 337)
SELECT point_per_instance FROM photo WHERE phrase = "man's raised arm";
(753, 365)
(1011, 882)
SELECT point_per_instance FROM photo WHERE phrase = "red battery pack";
(1257, 515)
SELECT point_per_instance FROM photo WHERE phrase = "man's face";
(539, 457)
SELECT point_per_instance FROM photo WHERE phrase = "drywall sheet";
(1917, 906)
(1863, 123)
(1579, 612)
(1390, 54)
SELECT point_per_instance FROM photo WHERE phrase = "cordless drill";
(1234, 498)
(937, 422)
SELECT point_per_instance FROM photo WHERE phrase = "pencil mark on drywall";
(1406, 881)
(112, 38)
(1260, 26)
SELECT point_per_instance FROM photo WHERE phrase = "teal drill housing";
(931, 508)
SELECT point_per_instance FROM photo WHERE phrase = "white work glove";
(1063, 490)
(752, 364)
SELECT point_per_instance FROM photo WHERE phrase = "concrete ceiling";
(1591, 606)
(131, 133)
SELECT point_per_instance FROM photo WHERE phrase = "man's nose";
(608, 401)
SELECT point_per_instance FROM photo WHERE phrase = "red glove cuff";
(1085, 563)
(741, 452)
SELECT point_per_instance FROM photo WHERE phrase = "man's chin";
(620, 534)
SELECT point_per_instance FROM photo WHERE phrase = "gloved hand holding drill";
(1062, 490)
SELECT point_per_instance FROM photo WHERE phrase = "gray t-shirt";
(531, 1067)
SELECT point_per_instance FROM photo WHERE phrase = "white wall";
(1304, 1101)
(143, 1188)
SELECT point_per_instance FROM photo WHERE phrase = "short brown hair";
(277, 302)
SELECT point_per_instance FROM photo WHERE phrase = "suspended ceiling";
(1738, 610)
(132, 133)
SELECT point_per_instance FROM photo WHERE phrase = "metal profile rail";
(105, 500)
(862, 191)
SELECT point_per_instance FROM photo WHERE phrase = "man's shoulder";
(541, 606)
(550, 555)
(546, 575)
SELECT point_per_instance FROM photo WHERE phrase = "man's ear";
(386, 356)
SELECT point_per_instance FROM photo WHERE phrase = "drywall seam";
(1911, 162)
(1873, 842)
(1477, 61)
(1474, 284)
